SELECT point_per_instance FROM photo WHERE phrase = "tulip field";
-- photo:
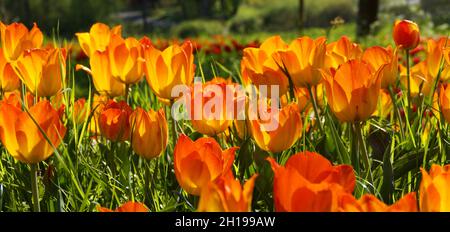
(309, 125)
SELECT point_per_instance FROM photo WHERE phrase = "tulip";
(125, 59)
(114, 121)
(42, 71)
(309, 182)
(226, 194)
(435, 189)
(98, 38)
(149, 135)
(100, 71)
(98, 104)
(259, 67)
(9, 81)
(15, 99)
(385, 61)
(213, 115)
(369, 203)
(288, 129)
(435, 56)
(80, 111)
(406, 34)
(352, 91)
(129, 207)
(385, 105)
(341, 51)
(444, 101)
(22, 137)
(197, 163)
(171, 67)
(420, 80)
(303, 59)
(16, 38)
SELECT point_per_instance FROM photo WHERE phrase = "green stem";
(397, 112)
(174, 126)
(127, 93)
(365, 153)
(316, 110)
(408, 76)
(35, 188)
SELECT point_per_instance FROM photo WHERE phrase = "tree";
(367, 14)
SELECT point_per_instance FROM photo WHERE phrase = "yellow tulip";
(303, 59)
(42, 71)
(149, 134)
(421, 80)
(125, 59)
(23, 139)
(168, 68)
(16, 38)
(98, 38)
(352, 91)
(288, 129)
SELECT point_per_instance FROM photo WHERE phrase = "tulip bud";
(406, 34)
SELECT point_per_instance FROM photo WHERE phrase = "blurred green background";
(241, 18)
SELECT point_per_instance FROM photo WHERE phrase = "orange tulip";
(406, 34)
(303, 59)
(100, 71)
(421, 80)
(197, 163)
(309, 182)
(385, 61)
(435, 189)
(42, 71)
(341, 51)
(125, 59)
(435, 56)
(444, 101)
(226, 194)
(98, 38)
(23, 139)
(15, 99)
(385, 106)
(369, 203)
(114, 121)
(16, 38)
(149, 135)
(129, 207)
(168, 68)
(259, 67)
(9, 81)
(99, 102)
(352, 91)
(214, 119)
(288, 129)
